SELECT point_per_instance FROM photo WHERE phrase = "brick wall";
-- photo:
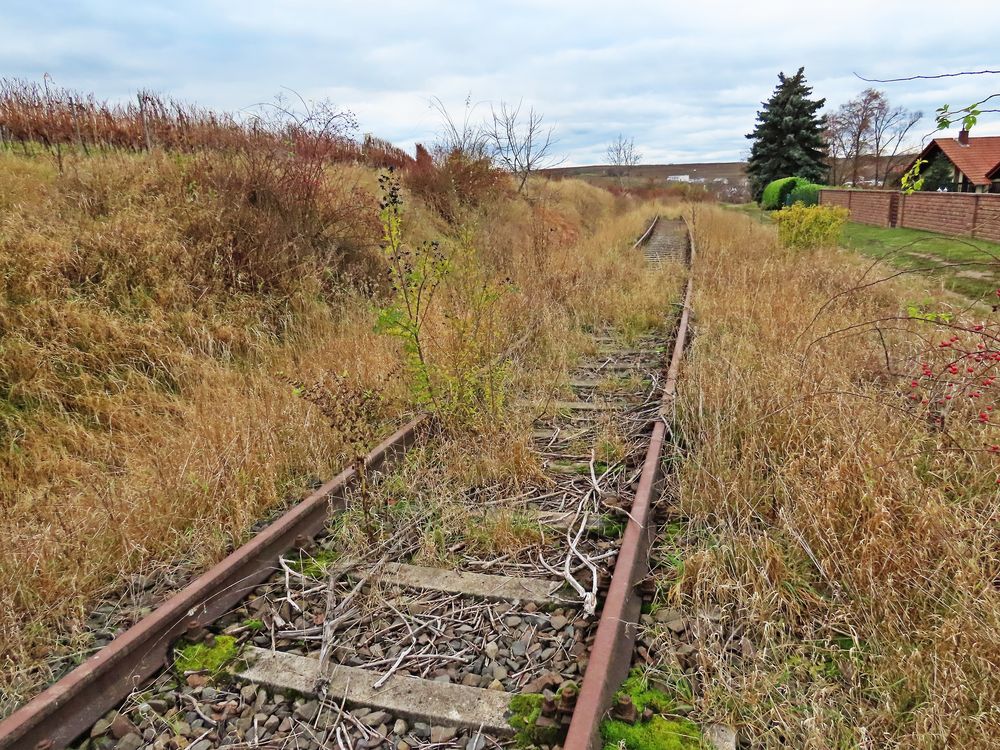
(876, 207)
(960, 214)
(947, 213)
(988, 217)
(873, 207)
(835, 197)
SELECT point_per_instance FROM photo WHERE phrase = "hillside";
(724, 181)
(708, 171)
(196, 334)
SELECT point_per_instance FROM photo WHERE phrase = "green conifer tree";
(788, 139)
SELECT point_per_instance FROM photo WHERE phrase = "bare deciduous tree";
(849, 129)
(521, 145)
(890, 126)
(622, 156)
(866, 126)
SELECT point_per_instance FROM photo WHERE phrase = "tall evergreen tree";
(788, 139)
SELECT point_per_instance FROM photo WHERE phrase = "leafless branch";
(929, 78)
(521, 145)
(622, 156)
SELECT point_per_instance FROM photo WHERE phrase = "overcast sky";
(685, 79)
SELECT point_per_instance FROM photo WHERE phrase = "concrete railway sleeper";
(380, 650)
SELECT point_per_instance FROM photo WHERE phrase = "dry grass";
(45, 117)
(146, 410)
(157, 312)
(848, 539)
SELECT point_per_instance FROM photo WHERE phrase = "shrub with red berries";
(954, 380)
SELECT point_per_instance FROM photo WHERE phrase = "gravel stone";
(121, 727)
(443, 734)
(375, 718)
(101, 726)
(666, 615)
(130, 741)
(677, 626)
(307, 711)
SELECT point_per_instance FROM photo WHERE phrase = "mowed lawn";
(966, 265)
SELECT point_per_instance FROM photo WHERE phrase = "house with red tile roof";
(975, 161)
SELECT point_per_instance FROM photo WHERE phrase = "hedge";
(807, 194)
(776, 191)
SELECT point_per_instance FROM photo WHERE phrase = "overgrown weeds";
(46, 118)
(163, 314)
(847, 538)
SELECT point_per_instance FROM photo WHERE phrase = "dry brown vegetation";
(43, 116)
(165, 316)
(849, 539)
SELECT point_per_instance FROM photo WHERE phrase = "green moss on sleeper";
(205, 657)
(660, 732)
(525, 711)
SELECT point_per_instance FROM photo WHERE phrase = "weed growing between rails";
(834, 582)
(458, 353)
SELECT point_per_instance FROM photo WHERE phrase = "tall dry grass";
(43, 116)
(159, 313)
(843, 535)
(147, 411)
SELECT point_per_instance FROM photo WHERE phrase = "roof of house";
(977, 160)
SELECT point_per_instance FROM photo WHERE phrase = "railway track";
(380, 649)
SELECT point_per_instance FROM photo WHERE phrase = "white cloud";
(685, 80)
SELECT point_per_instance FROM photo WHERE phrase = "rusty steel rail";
(649, 231)
(69, 707)
(611, 654)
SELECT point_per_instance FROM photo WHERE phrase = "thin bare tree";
(521, 144)
(622, 156)
(466, 137)
(890, 126)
